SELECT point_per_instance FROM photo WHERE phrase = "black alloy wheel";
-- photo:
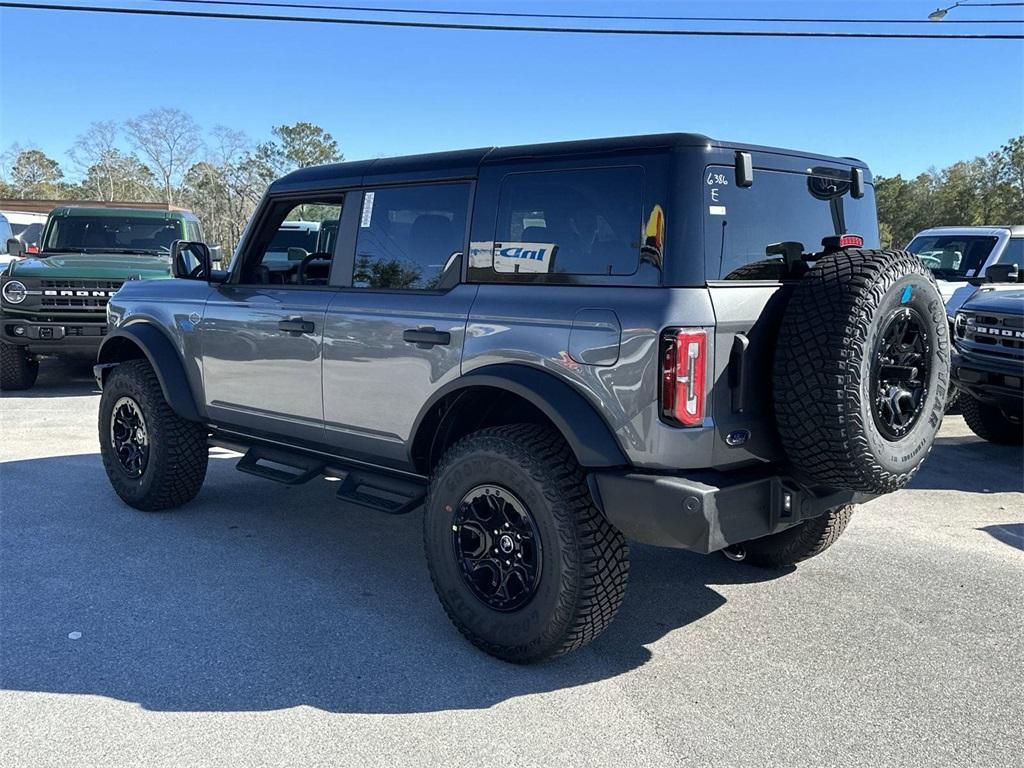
(498, 547)
(129, 437)
(900, 373)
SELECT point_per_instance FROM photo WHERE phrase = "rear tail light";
(683, 390)
(839, 242)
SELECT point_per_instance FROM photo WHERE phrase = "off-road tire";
(178, 451)
(953, 404)
(989, 423)
(18, 367)
(585, 559)
(801, 542)
(823, 364)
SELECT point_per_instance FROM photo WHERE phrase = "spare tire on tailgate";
(861, 370)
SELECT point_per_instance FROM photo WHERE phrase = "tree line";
(985, 190)
(164, 156)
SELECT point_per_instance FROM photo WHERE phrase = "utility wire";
(502, 27)
(590, 17)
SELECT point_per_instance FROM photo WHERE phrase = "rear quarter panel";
(532, 325)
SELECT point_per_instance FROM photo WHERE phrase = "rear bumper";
(53, 338)
(991, 380)
(709, 511)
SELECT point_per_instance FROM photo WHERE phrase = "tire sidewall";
(903, 455)
(544, 619)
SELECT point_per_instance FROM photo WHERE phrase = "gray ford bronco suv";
(552, 349)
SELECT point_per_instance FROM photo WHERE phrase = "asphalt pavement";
(267, 625)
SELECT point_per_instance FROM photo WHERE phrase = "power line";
(587, 16)
(501, 27)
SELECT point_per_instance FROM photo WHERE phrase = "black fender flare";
(589, 436)
(162, 356)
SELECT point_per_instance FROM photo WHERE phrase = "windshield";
(111, 234)
(953, 257)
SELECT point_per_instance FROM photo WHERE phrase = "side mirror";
(15, 247)
(1003, 273)
(191, 260)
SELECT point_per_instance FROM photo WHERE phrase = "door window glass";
(1014, 253)
(411, 238)
(290, 247)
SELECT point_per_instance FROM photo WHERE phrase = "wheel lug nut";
(508, 562)
(506, 525)
(519, 555)
(495, 550)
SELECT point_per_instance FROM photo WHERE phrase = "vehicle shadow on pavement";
(971, 464)
(258, 596)
(1011, 534)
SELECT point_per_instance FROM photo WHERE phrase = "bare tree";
(97, 149)
(169, 139)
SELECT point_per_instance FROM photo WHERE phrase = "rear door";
(396, 333)
(748, 289)
(263, 334)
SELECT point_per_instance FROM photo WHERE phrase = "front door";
(263, 332)
(396, 335)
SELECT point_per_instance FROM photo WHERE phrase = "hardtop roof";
(141, 213)
(1016, 230)
(465, 163)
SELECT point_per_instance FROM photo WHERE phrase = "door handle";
(296, 326)
(424, 338)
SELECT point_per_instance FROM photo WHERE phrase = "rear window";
(741, 222)
(952, 257)
(562, 223)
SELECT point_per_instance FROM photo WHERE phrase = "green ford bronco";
(54, 303)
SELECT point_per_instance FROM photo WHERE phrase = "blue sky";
(900, 105)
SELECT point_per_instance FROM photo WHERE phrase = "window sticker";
(367, 210)
(523, 257)
(716, 210)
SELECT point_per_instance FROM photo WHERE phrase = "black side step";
(290, 469)
(381, 492)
